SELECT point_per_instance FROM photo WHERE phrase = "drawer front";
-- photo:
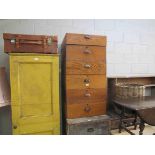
(83, 53)
(80, 67)
(84, 39)
(86, 81)
(77, 96)
(85, 110)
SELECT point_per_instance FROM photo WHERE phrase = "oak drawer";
(83, 67)
(85, 109)
(89, 53)
(76, 96)
(85, 81)
(84, 39)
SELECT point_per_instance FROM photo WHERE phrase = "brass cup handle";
(87, 109)
(87, 95)
(87, 66)
(86, 51)
(87, 36)
(86, 81)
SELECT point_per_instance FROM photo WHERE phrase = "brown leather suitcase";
(84, 75)
(22, 43)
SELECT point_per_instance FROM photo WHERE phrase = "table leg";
(121, 120)
(141, 127)
(135, 122)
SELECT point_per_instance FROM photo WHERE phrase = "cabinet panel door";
(35, 94)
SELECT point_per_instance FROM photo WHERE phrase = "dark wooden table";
(142, 107)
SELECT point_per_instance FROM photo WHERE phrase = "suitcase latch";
(49, 41)
(90, 130)
(13, 41)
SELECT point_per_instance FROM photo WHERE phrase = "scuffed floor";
(149, 130)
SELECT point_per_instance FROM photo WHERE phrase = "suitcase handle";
(45, 41)
(30, 42)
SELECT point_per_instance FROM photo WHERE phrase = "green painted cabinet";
(35, 93)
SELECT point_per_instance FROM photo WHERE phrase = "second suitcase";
(97, 125)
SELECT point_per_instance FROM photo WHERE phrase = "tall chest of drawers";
(84, 75)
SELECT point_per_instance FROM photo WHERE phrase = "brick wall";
(131, 43)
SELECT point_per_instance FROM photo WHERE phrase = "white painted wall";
(131, 43)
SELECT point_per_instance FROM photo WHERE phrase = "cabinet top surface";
(136, 103)
(79, 34)
(84, 39)
(33, 54)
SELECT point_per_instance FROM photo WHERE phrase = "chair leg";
(120, 127)
(121, 120)
(141, 127)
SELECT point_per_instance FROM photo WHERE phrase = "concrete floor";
(149, 130)
(5, 125)
(5, 121)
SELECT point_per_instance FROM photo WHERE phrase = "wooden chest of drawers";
(84, 75)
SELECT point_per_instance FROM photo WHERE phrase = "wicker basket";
(125, 91)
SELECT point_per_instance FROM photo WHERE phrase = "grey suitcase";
(96, 125)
